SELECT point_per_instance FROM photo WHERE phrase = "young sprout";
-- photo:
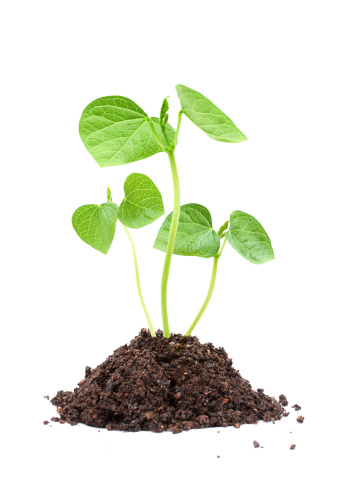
(116, 131)
(96, 224)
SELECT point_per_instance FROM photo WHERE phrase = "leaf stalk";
(138, 283)
(177, 130)
(210, 291)
(154, 133)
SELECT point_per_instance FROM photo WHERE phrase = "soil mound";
(159, 384)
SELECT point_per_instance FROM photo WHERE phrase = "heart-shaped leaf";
(96, 224)
(116, 131)
(203, 113)
(248, 237)
(194, 235)
(142, 204)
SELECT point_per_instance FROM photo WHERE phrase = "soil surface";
(153, 385)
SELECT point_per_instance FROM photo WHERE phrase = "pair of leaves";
(116, 131)
(195, 236)
(142, 205)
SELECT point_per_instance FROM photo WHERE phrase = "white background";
(275, 68)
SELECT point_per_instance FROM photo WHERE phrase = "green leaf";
(207, 116)
(116, 131)
(109, 194)
(164, 114)
(96, 224)
(194, 235)
(142, 204)
(248, 237)
(223, 228)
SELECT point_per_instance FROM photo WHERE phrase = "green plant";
(116, 131)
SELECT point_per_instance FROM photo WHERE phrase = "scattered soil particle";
(300, 419)
(55, 419)
(292, 447)
(256, 444)
(152, 385)
(283, 400)
(46, 422)
(296, 407)
(47, 397)
(218, 456)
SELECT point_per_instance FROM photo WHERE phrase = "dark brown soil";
(296, 407)
(256, 444)
(292, 447)
(300, 419)
(283, 400)
(152, 384)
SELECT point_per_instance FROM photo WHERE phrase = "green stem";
(166, 137)
(152, 331)
(209, 293)
(177, 129)
(154, 133)
(222, 248)
(171, 241)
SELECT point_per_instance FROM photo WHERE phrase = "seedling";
(116, 131)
